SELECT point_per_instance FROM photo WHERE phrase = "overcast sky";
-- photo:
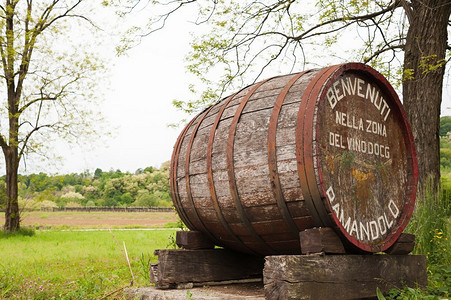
(138, 106)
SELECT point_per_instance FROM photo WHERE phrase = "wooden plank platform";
(178, 267)
(340, 276)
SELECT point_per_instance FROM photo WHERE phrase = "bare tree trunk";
(424, 67)
(12, 214)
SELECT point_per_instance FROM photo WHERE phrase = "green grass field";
(76, 264)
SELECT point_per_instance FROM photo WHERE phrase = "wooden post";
(340, 276)
(404, 245)
(177, 267)
(320, 240)
(193, 240)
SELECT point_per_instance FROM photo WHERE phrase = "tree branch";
(23, 108)
(377, 53)
(408, 9)
(389, 8)
(165, 16)
(28, 136)
(3, 143)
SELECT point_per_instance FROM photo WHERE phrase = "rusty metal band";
(187, 177)
(231, 169)
(309, 118)
(300, 141)
(272, 156)
(211, 184)
(173, 177)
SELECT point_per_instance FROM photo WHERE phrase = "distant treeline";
(110, 209)
(147, 187)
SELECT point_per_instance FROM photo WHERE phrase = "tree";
(47, 82)
(98, 173)
(406, 40)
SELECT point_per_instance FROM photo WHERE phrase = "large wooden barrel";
(325, 147)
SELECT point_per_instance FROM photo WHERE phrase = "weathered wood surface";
(193, 240)
(340, 276)
(231, 291)
(320, 240)
(179, 267)
(281, 156)
(404, 245)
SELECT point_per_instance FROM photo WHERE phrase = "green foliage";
(146, 187)
(46, 204)
(172, 238)
(145, 199)
(126, 198)
(2, 194)
(445, 125)
(111, 201)
(439, 287)
(379, 294)
(406, 293)
(430, 225)
(144, 263)
(445, 158)
(430, 63)
(440, 280)
(98, 173)
(445, 154)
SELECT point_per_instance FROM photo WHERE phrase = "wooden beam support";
(340, 276)
(178, 268)
(320, 240)
(193, 240)
(404, 245)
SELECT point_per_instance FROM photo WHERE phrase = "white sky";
(138, 105)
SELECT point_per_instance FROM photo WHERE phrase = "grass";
(75, 265)
(431, 224)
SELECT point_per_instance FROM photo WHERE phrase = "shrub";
(27, 204)
(111, 201)
(445, 158)
(47, 204)
(146, 200)
(126, 199)
(73, 204)
(72, 196)
(90, 203)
